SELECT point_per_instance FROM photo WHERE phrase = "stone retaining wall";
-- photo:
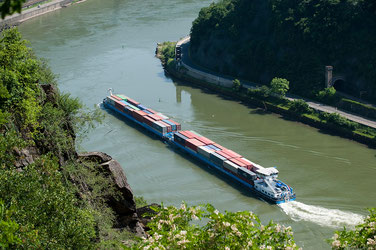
(16, 19)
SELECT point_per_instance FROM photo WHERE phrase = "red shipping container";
(224, 154)
(131, 101)
(239, 163)
(205, 140)
(249, 166)
(219, 146)
(155, 117)
(139, 115)
(116, 97)
(187, 134)
(178, 126)
(193, 144)
(232, 153)
(151, 111)
(190, 134)
(148, 121)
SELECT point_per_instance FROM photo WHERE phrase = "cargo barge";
(261, 181)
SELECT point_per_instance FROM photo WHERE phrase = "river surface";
(96, 45)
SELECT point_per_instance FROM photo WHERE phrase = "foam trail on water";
(333, 218)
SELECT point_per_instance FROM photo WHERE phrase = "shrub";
(363, 237)
(263, 92)
(328, 95)
(236, 85)
(300, 106)
(172, 228)
(336, 119)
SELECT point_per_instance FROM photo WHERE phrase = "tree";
(172, 228)
(236, 85)
(8, 7)
(279, 86)
(8, 229)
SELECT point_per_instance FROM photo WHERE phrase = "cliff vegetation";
(258, 40)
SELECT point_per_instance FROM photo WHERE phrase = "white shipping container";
(250, 163)
(231, 166)
(204, 151)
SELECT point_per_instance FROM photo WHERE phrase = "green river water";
(96, 45)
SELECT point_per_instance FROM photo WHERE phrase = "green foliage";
(328, 95)
(300, 106)
(263, 92)
(363, 237)
(43, 195)
(8, 7)
(336, 119)
(140, 201)
(173, 228)
(279, 86)
(258, 39)
(167, 52)
(236, 85)
(43, 203)
(8, 229)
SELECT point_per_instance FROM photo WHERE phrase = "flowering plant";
(204, 227)
(363, 237)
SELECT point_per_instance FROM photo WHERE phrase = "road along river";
(97, 44)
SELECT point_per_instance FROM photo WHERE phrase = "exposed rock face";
(123, 206)
(51, 92)
(25, 156)
(144, 213)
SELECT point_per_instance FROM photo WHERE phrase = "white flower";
(269, 248)
(262, 227)
(194, 217)
(183, 232)
(278, 228)
(157, 236)
(336, 244)
(233, 227)
(216, 212)
(182, 242)
(226, 224)
(146, 248)
(249, 244)
(182, 206)
(335, 236)
(371, 242)
(227, 248)
(238, 233)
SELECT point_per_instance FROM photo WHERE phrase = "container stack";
(227, 159)
(143, 114)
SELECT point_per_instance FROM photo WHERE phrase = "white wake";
(333, 218)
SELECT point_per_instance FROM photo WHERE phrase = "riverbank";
(250, 95)
(39, 10)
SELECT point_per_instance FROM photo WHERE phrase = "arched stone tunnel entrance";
(339, 85)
